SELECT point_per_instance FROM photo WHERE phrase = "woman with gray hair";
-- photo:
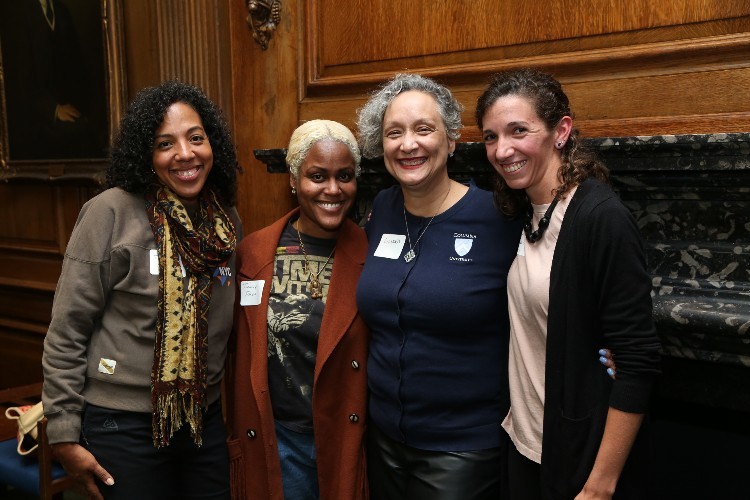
(433, 294)
(300, 384)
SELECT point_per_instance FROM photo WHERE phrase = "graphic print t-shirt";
(294, 320)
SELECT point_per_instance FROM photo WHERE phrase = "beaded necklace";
(316, 289)
(535, 236)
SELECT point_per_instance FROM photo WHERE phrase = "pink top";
(528, 299)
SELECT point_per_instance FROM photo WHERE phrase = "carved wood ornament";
(263, 19)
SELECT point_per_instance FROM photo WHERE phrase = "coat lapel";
(341, 306)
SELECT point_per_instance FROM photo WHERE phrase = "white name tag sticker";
(521, 247)
(390, 246)
(251, 292)
(153, 261)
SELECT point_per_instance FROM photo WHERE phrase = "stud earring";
(559, 145)
(450, 155)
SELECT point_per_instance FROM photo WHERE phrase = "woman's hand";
(607, 359)
(79, 463)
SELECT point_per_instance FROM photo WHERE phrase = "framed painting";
(61, 83)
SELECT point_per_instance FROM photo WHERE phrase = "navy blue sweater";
(438, 364)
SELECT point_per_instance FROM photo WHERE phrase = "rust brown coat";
(340, 381)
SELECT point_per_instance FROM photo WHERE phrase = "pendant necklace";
(316, 289)
(410, 255)
(535, 236)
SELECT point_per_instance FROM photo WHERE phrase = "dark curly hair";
(130, 167)
(551, 105)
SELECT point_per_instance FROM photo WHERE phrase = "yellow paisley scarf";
(189, 252)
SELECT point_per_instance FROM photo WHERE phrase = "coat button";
(355, 364)
(354, 418)
(251, 433)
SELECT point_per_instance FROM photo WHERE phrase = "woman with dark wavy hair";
(134, 354)
(579, 282)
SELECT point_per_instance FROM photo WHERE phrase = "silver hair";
(309, 133)
(370, 116)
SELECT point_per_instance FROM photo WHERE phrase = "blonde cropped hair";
(309, 133)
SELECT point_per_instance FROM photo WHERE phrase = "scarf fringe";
(172, 410)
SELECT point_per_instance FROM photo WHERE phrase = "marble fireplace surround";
(691, 197)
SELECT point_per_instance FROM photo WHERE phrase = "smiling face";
(182, 157)
(326, 187)
(521, 147)
(415, 141)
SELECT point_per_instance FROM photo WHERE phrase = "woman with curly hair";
(433, 294)
(134, 354)
(579, 282)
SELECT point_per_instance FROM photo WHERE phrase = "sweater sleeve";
(625, 306)
(80, 299)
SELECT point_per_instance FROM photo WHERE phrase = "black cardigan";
(600, 296)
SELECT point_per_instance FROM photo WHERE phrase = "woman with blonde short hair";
(300, 384)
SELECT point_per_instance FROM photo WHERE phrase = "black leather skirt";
(400, 472)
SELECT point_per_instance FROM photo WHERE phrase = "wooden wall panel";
(266, 97)
(193, 45)
(36, 229)
(631, 68)
(141, 45)
(394, 29)
(33, 237)
(183, 39)
(20, 358)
